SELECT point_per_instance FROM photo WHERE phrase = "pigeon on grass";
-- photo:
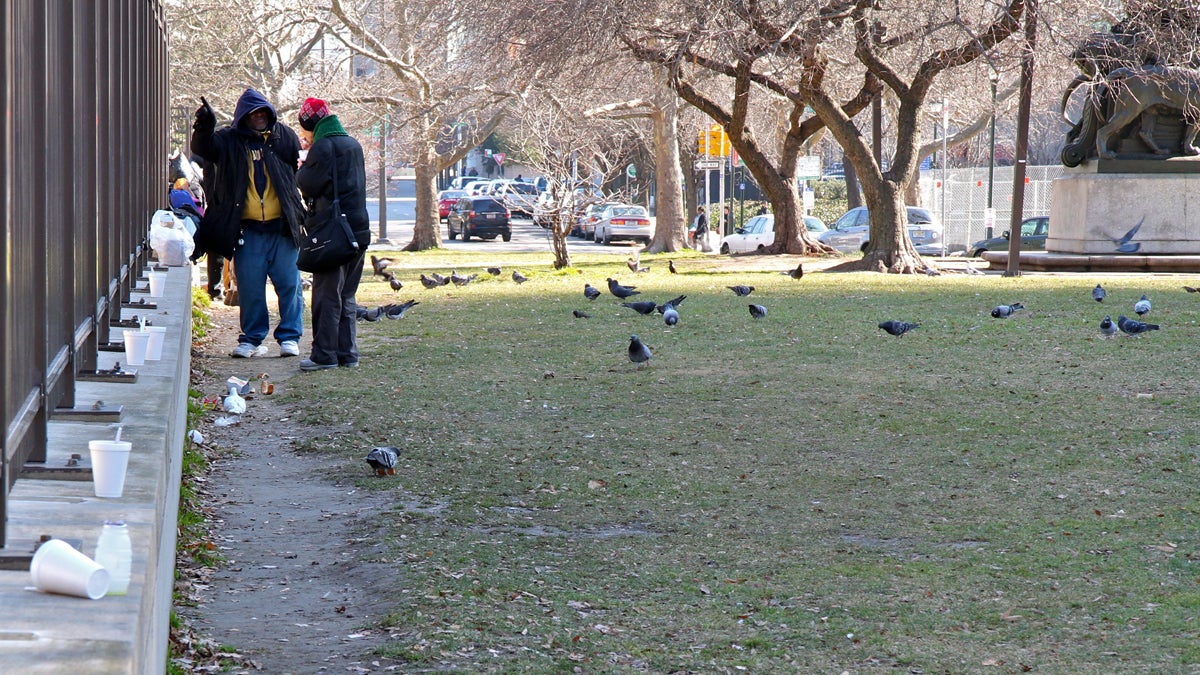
(740, 290)
(644, 307)
(897, 328)
(1133, 326)
(639, 353)
(670, 315)
(757, 311)
(519, 278)
(1107, 327)
(379, 265)
(1142, 307)
(1005, 311)
(384, 460)
(590, 292)
(1098, 293)
(673, 302)
(797, 273)
(397, 311)
(581, 315)
(620, 291)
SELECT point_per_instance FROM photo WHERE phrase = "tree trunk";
(427, 230)
(670, 230)
(892, 251)
(791, 236)
(558, 240)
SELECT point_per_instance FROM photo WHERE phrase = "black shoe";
(308, 365)
(348, 364)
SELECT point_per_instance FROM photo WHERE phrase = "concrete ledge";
(1044, 261)
(41, 633)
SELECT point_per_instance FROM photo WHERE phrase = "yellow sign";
(713, 142)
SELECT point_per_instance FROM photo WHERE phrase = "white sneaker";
(246, 350)
(289, 348)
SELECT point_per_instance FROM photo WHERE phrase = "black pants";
(335, 314)
(216, 267)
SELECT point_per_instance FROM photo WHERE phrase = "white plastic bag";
(170, 239)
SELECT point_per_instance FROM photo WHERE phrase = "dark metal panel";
(57, 227)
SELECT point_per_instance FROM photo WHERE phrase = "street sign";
(631, 170)
(499, 157)
(708, 164)
(808, 167)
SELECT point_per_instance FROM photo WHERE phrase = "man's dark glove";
(205, 117)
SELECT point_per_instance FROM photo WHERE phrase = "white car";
(851, 232)
(518, 197)
(759, 232)
(623, 221)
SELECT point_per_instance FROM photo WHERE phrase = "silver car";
(851, 232)
(623, 221)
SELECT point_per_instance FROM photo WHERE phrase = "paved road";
(526, 238)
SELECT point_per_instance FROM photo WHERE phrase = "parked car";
(480, 188)
(585, 222)
(462, 182)
(446, 201)
(518, 197)
(759, 232)
(852, 231)
(623, 221)
(483, 217)
(1033, 237)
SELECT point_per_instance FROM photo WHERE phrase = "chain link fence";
(962, 202)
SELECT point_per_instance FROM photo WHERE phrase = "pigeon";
(1107, 327)
(740, 290)
(638, 352)
(898, 328)
(671, 266)
(632, 265)
(360, 312)
(670, 315)
(1098, 293)
(1142, 307)
(797, 273)
(442, 281)
(371, 314)
(1124, 244)
(971, 269)
(234, 404)
(1005, 311)
(494, 271)
(590, 292)
(1133, 326)
(644, 307)
(384, 460)
(397, 311)
(519, 278)
(673, 302)
(620, 291)
(581, 315)
(757, 311)
(394, 282)
(379, 265)
(460, 280)
(1190, 289)
(429, 282)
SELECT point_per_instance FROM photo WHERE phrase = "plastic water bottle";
(114, 550)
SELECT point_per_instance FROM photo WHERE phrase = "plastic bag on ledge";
(170, 239)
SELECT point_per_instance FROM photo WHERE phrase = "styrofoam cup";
(158, 283)
(57, 567)
(155, 346)
(110, 459)
(136, 344)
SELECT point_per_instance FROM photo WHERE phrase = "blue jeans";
(265, 254)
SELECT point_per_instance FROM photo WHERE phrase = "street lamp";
(989, 215)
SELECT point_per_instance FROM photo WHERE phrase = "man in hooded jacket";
(254, 215)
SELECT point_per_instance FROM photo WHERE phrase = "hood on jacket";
(249, 101)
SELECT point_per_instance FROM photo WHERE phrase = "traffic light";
(713, 142)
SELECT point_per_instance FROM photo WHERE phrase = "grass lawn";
(803, 493)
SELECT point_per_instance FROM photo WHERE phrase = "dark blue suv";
(483, 217)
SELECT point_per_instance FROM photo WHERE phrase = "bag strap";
(337, 201)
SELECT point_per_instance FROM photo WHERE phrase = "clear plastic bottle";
(114, 550)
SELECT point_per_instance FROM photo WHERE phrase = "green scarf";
(329, 125)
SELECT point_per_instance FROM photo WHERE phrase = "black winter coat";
(315, 180)
(227, 176)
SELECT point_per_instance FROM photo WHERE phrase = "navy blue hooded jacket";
(227, 174)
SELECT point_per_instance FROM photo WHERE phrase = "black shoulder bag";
(328, 241)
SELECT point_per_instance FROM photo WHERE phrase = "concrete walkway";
(42, 633)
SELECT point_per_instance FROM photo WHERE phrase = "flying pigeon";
(234, 404)
(638, 352)
(394, 282)
(671, 266)
(1124, 244)
(1133, 326)
(581, 315)
(1107, 327)
(1098, 293)
(1005, 311)
(494, 271)
(620, 291)
(590, 292)
(644, 307)
(757, 311)
(740, 290)
(519, 278)
(1142, 307)
(632, 265)
(797, 273)
(384, 460)
(397, 311)
(670, 315)
(898, 328)
(429, 282)
(673, 302)
(1190, 289)
(379, 265)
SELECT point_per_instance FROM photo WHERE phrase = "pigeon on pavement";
(620, 291)
(519, 278)
(384, 460)
(638, 352)
(590, 292)
(673, 302)
(1098, 293)
(1142, 307)
(740, 290)
(1133, 326)
(1107, 327)
(581, 315)
(234, 404)
(1005, 311)
(757, 311)
(898, 328)
(670, 315)
(644, 307)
